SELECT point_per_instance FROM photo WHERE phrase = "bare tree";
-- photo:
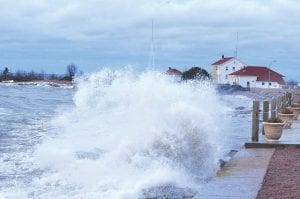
(71, 70)
(54, 77)
(5, 72)
(292, 84)
(41, 75)
(32, 75)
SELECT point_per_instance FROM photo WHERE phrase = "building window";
(270, 83)
(263, 83)
(226, 68)
(226, 76)
(233, 68)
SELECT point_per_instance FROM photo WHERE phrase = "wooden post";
(289, 99)
(282, 102)
(266, 111)
(266, 105)
(279, 104)
(255, 121)
(273, 108)
(286, 99)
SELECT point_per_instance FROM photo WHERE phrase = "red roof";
(222, 60)
(262, 73)
(173, 71)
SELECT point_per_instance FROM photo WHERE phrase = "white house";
(256, 77)
(223, 67)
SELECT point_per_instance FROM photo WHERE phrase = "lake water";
(116, 135)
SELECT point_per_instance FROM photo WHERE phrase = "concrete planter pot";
(296, 111)
(273, 131)
(287, 119)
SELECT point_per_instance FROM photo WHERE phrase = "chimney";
(223, 57)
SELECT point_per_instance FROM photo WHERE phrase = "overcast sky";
(49, 34)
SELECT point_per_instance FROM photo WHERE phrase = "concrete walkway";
(241, 177)
(251, 173)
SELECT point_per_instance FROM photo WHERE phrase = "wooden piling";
(286, 100)
(273, 108)
(279, 104)
(266, 110)
(289, 99)
(255, 121)
(293, 96)
(282, 103)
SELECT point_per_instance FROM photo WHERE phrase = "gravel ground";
(282, 179)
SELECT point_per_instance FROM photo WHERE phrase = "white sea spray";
(128, 133)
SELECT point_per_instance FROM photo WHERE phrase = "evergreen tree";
(195, 73)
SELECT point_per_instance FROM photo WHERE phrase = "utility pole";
(152, 47)
(236, 45)
(273, 61)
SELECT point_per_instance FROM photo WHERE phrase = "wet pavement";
(241, 177)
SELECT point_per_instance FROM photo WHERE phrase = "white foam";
(130, 132)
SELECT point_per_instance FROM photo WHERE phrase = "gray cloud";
(50, 33)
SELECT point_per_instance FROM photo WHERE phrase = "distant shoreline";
(54, 83)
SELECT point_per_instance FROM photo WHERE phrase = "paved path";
(241, 177)
(283, 175)
(265, 173)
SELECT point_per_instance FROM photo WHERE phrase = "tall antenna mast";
(152, 47)
(236, 45)
(152, 31)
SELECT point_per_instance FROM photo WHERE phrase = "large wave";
(128, 133)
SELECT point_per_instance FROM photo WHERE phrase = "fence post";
(286, 99)
(279, 104)
(265, 113)
(273, 108)
(289, 99)
(282, 102)
(255, 121)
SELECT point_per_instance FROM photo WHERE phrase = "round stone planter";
(296, 111)
(273, 131)
(287, 119)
